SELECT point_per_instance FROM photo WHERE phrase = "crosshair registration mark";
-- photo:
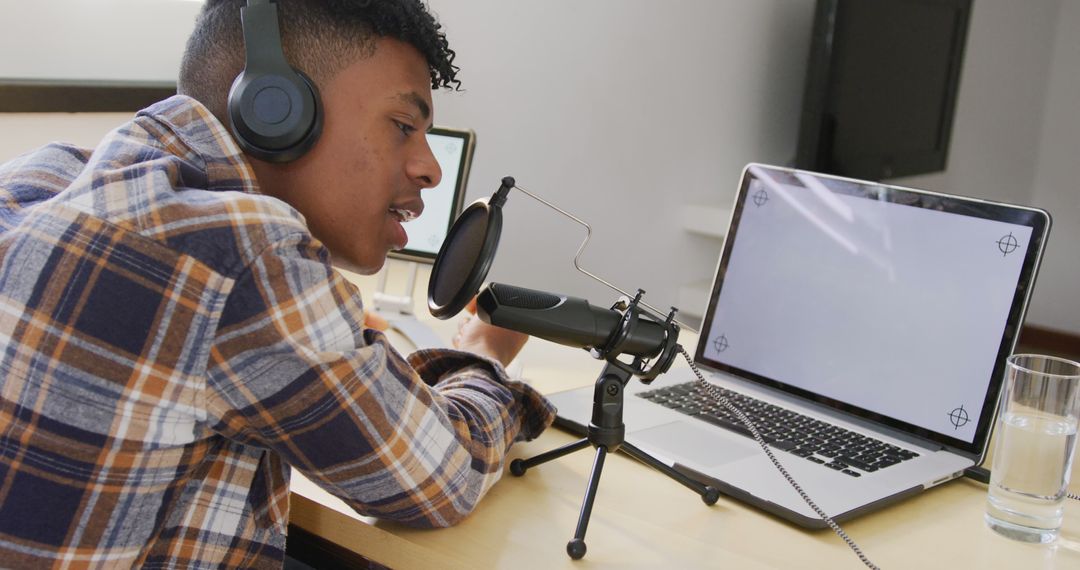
(760, 197)
(1007, 244)
(959, 417)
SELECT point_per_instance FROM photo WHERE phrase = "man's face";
(363, 177)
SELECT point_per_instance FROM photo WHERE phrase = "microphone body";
(566, 320)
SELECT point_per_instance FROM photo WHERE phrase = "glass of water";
(1036, 442)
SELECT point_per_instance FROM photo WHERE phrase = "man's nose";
(425, 168)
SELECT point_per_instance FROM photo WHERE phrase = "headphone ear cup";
(276, 117)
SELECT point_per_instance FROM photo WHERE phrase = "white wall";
(86, 40)
(1056, 184)
(90, 40)
(623, 110)
(22, 132)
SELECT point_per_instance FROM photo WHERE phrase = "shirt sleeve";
(293, 369)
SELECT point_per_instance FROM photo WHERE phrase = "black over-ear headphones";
(274, 108)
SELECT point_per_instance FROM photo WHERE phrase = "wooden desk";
(641, 519)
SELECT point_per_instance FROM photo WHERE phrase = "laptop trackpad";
(683, 441)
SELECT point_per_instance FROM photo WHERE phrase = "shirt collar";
(201, 136)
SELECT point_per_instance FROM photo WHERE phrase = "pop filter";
(466, 254)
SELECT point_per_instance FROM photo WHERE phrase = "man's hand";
(477, 336)
(374, 321)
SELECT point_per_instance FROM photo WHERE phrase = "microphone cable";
(719, 397)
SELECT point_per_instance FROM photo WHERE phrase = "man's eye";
(404, 128)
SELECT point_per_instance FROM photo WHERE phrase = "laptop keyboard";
(839, 449)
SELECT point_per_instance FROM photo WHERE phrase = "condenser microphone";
(570, 321)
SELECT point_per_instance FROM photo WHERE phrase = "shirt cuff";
(437, 365)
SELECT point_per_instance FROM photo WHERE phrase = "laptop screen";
(894, 304)
(453, 149)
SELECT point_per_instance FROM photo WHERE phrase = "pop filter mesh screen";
(459, 254)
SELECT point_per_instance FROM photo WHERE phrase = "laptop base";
(606, 433)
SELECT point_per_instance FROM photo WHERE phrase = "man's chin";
(369, 268)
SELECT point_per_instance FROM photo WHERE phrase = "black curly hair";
(319, 37)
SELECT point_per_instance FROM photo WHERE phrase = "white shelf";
(711, 221)
(708, 221)
(692, 297)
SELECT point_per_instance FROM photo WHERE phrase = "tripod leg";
(519, 466)
(576, 547)
(708, 494)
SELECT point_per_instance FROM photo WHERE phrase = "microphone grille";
(522, 298)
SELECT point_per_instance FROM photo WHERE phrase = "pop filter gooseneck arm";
(469, 248)
(577, 257)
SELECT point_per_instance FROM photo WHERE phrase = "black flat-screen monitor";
(453, 148)
(881, 86)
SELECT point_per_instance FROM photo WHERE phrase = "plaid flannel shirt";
(171, 341)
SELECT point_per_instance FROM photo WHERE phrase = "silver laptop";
(864, 326)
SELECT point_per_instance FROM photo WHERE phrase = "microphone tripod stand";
(607, 430)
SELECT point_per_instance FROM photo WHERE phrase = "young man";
(174, 337)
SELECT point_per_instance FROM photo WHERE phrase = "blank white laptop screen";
(889, 304)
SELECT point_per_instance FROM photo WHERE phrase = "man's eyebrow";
(415, 99)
